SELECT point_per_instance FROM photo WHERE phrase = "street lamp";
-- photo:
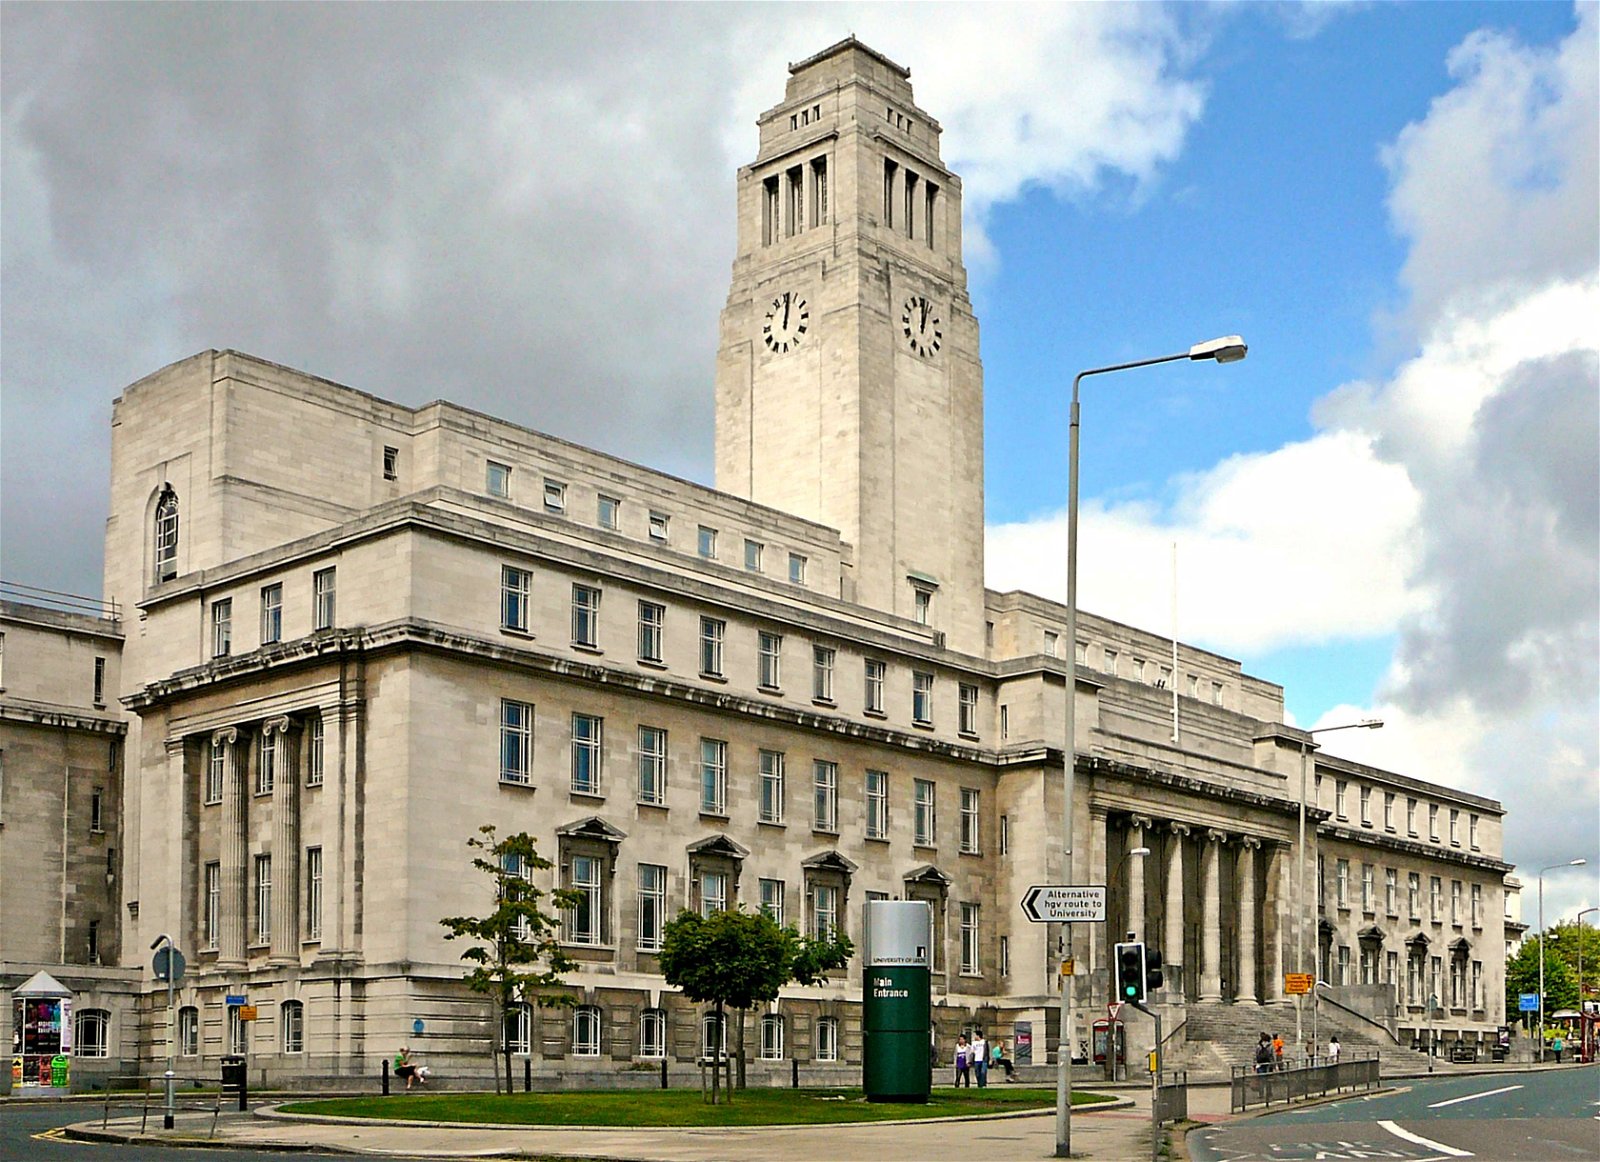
(1579, 935)
(167, 1119)
(1579, 862)
(1228, 349)
(1300, 877)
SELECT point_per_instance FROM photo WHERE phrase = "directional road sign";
(1298, 984)
(1065, 903)
(1527, 1002)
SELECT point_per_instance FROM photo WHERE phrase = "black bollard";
(794, 1073)
(663, 1073)
(527, 1075)
(385, 1077)
(244, 1091)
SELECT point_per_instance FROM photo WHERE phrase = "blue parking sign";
(1527, 1002)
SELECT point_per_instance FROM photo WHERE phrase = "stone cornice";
(1385, 842)
(1200, 788)
(39, 715)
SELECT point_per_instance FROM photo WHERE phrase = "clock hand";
(785, 310)
(924, 314)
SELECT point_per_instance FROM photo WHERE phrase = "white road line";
(1473, 1096)
(1450, 1151)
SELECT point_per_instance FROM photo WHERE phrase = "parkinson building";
(356, 631)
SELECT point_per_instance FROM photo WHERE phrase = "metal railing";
(59, 601)
(1314, 1078)
(1172, 1096)
(144, 1092)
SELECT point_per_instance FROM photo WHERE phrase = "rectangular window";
(1433, 822)
(969, 939)
(877, 795)
(1005, 723)
(822, 673)
(99, 681)
(1455, 827)
(1388, 810)
(391, 463)
(586, 1031)
(772, 900)
(1455, 902)
(1005, 835)
(969, 820)
(824, 796)
(770, 763)
(769, 647)
(660, 525)
(1477, 984)
(1472, 832)
(1435, 899)
(1052, 643)
(967, 719)
(922, 605)
(922, 698)
(797, 569)
(1340, 789)
(607, 511)
(1477, 905)
(771, 226)
(189, 1031)
(824, 911)
(516, 742)
(652, 617)
(324, 598)
(293, 1016)
(652, 765)
(652, 906)
(516, 591)
(1411, 817)
(586, 739)
(874, 671)
(221, 628)
(555, 496)
(1414, 895)
(713, 776)
(911, 202)
(923, 821)
(313, 893)
(211, 926)
(707, 543)
(889, 169)
(583, 921)
(1391, 891)
(263, 882)
(1368, 900)
(772, 1037)
(1366, 806)
(497, 479)
(1341, 886)
(752, 555)
(316, 748)
(653, 1033)
(586, 616)
(97, 808)
(1108, 661)
(819, 191)
(271, 613)
(1216, 693)
(267, 762)
(713, 892)
(712, 630)
(930, 198)
(828, 1039)
(216, 769)
(1344, 964)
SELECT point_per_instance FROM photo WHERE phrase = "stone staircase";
(1219, 1036)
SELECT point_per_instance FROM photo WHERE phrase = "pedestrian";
(980, 1058)
(1333, 1049)
(1264, 1054)
(406, 1068)
(1277, 1051)
(963, 1062)
(999, 1060)
(1558, 1045)
(1311, 1052)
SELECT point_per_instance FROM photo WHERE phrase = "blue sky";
(1390, 508)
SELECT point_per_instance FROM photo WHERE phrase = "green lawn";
(683, 1107)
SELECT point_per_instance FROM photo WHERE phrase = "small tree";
(1522, 976)
(736, 959)
(517, 934)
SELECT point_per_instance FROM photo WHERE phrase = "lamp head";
(1228, 349)
(1140, 851)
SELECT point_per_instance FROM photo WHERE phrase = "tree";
(1560, 981)
(1565, 940)
(517, 934)
(737, 960)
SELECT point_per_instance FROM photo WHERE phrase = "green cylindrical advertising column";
(896, 1009)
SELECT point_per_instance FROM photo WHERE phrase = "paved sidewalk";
(1115, 1135)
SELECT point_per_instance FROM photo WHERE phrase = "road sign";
(166, 955)
(1065, 904)
(1527, 1002)
(1114, 1009)
(232, 999)
(247, 1012)
(1297, 984)
(1068, 966)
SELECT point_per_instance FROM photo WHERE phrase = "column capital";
(1179, 829)
(1098, 811)
(227, 736)
(1250, 841)
(279, 725)
(1215, 836)
(1144, 822)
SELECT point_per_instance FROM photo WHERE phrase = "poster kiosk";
(41, 1036)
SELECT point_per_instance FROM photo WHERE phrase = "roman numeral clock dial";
(787, 321)
(921, 326)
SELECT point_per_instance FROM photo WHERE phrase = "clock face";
(921, 325)
(788, 318)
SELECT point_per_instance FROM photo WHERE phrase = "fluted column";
(1136, 829)
(1211, 917)
(1246, 990)
(1173, 952)
(1277, 893)
(285, 842)
(1099, 939)
(231, 909)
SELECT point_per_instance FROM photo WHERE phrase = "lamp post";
(1229, 349)
(1579, 934)
(1579, 862)
(1300, 876)
(167, 1118)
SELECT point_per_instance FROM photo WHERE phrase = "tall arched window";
(519, 1028)
(771, 1037)
(166, 531)
(586, 1031)
(293, 1014)
(189, 1031)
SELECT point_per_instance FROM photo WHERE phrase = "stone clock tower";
(849, 389)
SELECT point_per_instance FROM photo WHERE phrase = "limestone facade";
(357, 631)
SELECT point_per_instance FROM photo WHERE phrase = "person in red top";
(1277, 1050)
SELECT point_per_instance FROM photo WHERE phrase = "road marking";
(1439, 1105)
(1451, 1151)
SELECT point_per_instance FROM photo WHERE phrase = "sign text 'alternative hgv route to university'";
(1065, 903)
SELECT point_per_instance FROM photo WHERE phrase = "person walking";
(963, 1062)
(1333, 1049)
(980, 1058)
(1264, 1054)
(1277, 1051)
(1558, 1045)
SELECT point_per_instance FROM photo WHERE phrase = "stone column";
(231, 909)
(1173, 952)
(1246, 990)
(1277, 893)
(185, 816)
(1136, 831)
(285, 843)
(1100, 940)
(1211, 917)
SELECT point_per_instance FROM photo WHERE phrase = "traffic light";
(1153, 978)
(1130, 972)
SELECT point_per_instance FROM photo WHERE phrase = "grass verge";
(682, 1107)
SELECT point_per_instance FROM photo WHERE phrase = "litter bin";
(233, 1080)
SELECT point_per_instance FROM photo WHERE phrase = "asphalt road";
(1548, 1116)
